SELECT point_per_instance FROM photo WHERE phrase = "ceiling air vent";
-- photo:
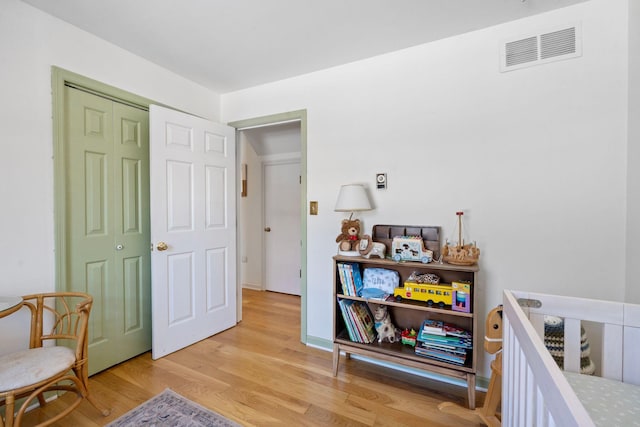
(541, 48)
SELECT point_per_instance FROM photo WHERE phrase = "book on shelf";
(430, 326)
(459, 358)
(444, 340)
(365, 319)
(343, 280)
(348, 321)
(350, 278)
(437, 327)
(358, 321)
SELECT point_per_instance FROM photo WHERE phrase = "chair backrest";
(60, 316)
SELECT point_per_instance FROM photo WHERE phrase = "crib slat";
(572, 345)
(631, 368)
(612, 352)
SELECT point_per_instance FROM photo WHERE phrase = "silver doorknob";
(267, 229)
(119, 247)
(162, 246)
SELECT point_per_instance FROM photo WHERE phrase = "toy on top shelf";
(410, 248)
(460, 253)
(349, 238)
(369, 248)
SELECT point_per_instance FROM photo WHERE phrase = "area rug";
(169, 409)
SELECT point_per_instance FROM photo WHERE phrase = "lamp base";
(348, 253)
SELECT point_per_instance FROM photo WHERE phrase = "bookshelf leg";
(336, 358)
(471, 390)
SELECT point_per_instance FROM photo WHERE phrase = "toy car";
(410, 248)
(427, 292)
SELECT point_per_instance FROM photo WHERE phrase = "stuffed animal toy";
(386, 330)
(372, 248)
(349, 238)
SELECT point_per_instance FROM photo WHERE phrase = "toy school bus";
(427, 292)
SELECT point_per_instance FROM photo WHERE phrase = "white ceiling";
(226, 45)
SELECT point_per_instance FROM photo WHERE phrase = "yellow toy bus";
(440, 294)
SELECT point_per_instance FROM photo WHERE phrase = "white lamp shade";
(352, 197)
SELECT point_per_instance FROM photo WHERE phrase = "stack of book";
(445, 342)
(350, 278)
(358, 320)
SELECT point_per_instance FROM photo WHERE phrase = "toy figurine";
(409, 337)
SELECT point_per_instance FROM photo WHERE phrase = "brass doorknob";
(162, 246)
(267, 229)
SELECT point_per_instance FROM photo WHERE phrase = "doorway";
(263, 142)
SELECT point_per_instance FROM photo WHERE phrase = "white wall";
(30, 43)
(535, 157)
(633, 178)
(250, 218)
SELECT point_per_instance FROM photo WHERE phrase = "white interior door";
(282, 242)
(193, 229)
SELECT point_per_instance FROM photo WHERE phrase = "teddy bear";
(349, 238)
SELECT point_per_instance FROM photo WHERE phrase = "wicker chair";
(59, 319)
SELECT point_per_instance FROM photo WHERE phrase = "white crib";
(536, 392)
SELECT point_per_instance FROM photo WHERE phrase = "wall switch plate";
(313, 208)
(381, 181)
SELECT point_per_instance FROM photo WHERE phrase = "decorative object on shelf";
(416, 277)
(461, 298)
(349, 239)
(384, 326)
(369, 248)
(460, 253)
(410, 248)
(409, 337)
(351, 198)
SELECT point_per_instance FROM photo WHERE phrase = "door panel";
(107, 207)
(282, 218)
(193, 212)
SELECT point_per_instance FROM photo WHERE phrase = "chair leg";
(41, 400)
(10, 403)
(81, 373)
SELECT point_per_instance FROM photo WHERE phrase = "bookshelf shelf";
(407, 314)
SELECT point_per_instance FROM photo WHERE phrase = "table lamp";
(351, 198)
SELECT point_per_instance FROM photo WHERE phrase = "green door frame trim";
(274, 119)
(59, 79)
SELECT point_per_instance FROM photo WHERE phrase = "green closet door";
(107, 203)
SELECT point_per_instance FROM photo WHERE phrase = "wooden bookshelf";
(409, 314)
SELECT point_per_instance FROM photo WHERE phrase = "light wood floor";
(259, 374)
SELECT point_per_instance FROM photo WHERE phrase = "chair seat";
(31, 366)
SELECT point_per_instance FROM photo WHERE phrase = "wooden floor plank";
(259, 374)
